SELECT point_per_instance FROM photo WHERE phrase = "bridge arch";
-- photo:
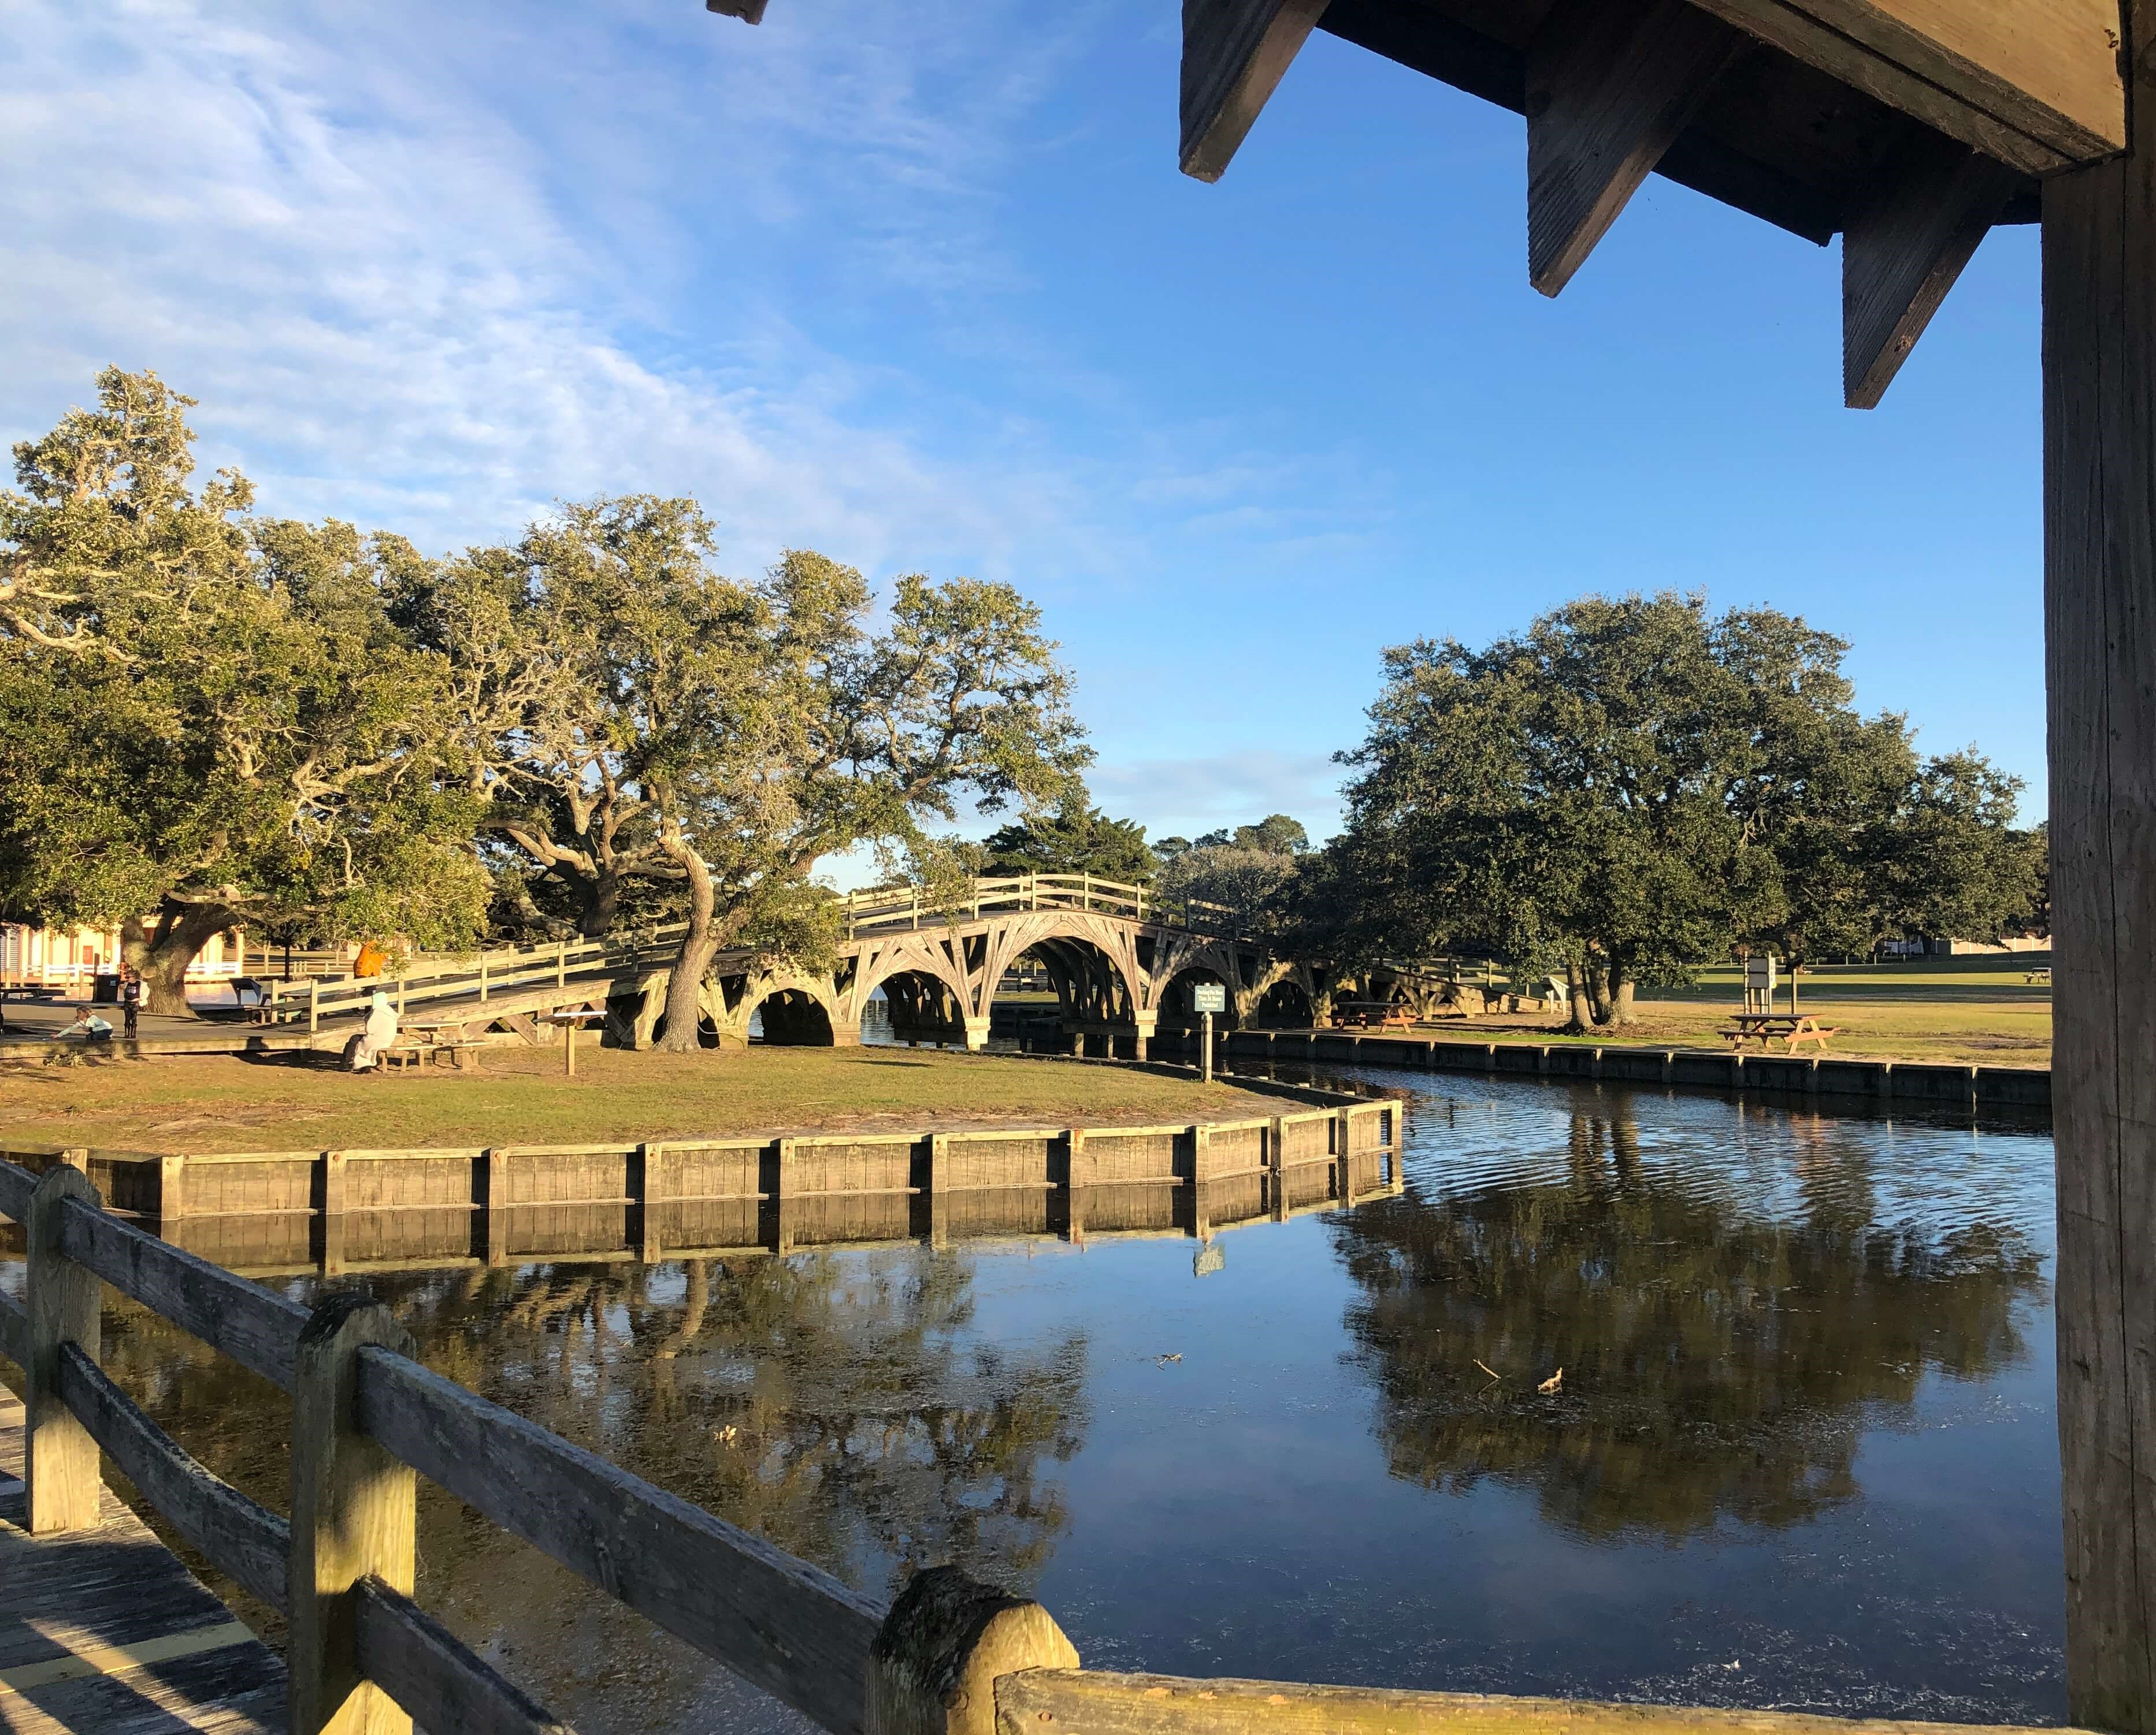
(793, 1018)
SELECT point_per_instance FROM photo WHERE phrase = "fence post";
(496, 1231)
(1276, 1165)
(332, 1212)
(560, 963)
(354, 1515)
(933, 1666)
(314, 1004)
(482, 978)
(60, 1458)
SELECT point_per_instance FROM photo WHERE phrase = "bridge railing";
(950, 1656)
(882, 908)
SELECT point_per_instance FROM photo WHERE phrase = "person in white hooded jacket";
(379, 1034)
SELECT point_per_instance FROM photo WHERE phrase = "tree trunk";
(684, 987)
(598, 902)
(161, 956)
(1620, 996)
(1597, 992)
(1575, 991)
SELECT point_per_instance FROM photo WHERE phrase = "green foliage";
(1073, 838)
(210, 715)
(1631, 787)
(1277, 835)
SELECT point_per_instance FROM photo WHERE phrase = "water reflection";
(1719, 1359)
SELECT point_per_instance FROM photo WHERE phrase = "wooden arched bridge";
(1120, 961)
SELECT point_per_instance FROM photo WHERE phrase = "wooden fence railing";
(950, 1656)
(909, 906)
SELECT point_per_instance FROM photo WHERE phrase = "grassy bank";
(1975, 1010)
(222, 1102)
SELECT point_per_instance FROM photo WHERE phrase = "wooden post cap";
(933, 1667)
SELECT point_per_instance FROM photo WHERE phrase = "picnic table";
(417, 1044)
(2041, 973)
(1764, 1027)
(1347, 1015)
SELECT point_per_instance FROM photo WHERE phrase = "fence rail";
(951, 1656)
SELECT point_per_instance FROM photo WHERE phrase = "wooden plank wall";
(279, 1211)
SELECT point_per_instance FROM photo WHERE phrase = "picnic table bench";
(1764, 1027)
(417, 1044)
(2041, 973)
(1371, 1014)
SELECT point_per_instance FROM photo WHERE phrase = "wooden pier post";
(2100, 620)
(1077, 1180)
(1201, 1155)
(171, 1193)
(782, 1184)
(60, 1458)
(1276, 1165)
(939, 1190)
(933, 1666)
(331, 1208)
(496, 1226)
(1344, 1155)
(354, 1516)
(648, 1188)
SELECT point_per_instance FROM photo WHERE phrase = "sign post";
(1206, 999)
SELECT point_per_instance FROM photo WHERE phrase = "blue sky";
(920, 287)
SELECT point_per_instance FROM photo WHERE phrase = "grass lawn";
(223, 1103)
(1980, 1010)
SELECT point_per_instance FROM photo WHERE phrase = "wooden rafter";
(2035, 83)
(1233, 54)
(1901, 259)
(1610, 84)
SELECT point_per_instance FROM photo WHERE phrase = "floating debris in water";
(1554, 1382)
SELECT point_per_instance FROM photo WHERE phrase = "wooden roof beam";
(2036, 84)
(1234, 54)
(1900, 258)
(1610, 84)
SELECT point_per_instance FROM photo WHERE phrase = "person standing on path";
(131, 998)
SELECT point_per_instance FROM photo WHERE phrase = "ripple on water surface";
(1801, 1454)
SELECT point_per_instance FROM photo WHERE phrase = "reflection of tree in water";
(1718, 1361)
(824, 1402)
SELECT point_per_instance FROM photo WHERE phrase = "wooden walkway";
(104, 1632)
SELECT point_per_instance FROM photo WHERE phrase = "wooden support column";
(1234, 53)
(60, 1458)
(354, 1515)
(2100, 621)
(1610, 84)
(1276, 1166)
(1899, 259)
(933, 1666)
(1077, 1181)
(1343, 1154)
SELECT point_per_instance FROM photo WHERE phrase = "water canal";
(1801, 1456)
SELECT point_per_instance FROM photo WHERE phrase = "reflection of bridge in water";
(273, 1211)
(1120, 962)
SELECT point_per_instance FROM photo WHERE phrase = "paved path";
(105, 1630)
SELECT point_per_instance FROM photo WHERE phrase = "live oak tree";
(722, 738)
(207, 718)
(1631, 787)
(1072, 839)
